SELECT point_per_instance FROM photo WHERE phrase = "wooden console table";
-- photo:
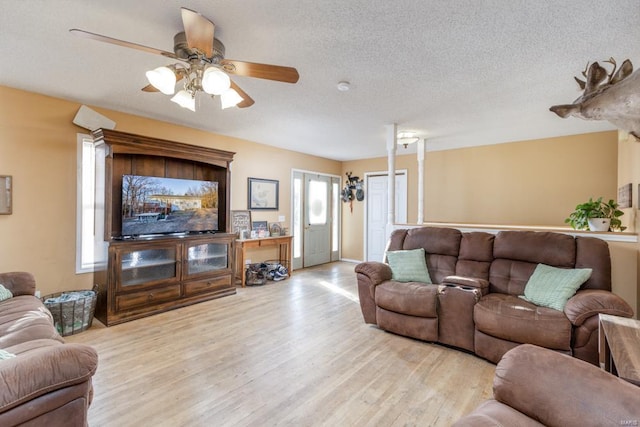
(284, 252)
(619, 347)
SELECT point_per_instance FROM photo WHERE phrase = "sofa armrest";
(44, 370)
(376, 272)
(467, 282)
(19, 283)
(557, 389)
(591, 302)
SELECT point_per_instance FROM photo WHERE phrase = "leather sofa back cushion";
(510, 277)
(557, 250)
(476, 254)
(442, 246)
(434, 240)
(517, 253)
(594, 253)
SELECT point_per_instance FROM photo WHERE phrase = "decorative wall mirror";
(5, 195)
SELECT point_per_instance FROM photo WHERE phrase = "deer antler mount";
(614, 97)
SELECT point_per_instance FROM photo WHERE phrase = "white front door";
(317, 220)
(377, 211)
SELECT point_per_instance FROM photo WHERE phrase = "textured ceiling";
(459, 73)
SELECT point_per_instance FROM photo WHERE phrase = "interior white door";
(317, 220)
(377, 212)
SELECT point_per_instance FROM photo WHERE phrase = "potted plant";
(596, 215)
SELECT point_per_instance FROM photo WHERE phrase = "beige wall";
(524, 183)
(536, 182)
(38, 147)
(629, 172)
(530, 183)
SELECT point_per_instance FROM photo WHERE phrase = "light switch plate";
(281, 218)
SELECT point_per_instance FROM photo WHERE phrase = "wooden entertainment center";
(151, 274)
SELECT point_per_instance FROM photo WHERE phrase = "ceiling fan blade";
(261, 71)
(246, 99)
(199, 31)
(122, 43)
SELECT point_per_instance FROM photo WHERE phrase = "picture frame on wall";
(263, 194)
(5, 195)
(241, 223)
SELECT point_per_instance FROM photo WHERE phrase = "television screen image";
(158, 205)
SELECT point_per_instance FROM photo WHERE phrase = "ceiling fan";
(202, 65)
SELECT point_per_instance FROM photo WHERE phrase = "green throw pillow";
(5, 293)
(409, 266)
(4, 355)
(552, 287)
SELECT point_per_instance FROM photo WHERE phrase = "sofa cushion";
(552, 287)
(536, 247)
(411, 298)
(441, 246)
(514, 319)
(492, 413)
(594, 253)
(559, 390)
(5, 293)
(408, 266)
(510, 277)
(25, 318)
(476, 254)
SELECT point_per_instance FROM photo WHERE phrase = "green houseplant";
(586, 212)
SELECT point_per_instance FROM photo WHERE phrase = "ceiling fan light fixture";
(215, 81)
(185, 100)
(406, 138)
(230, 98)
(163, 79)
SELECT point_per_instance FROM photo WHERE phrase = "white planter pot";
(599, 224)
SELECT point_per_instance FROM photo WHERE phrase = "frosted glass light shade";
(230, 98)
(185, 100)
(163, 79)
(215, 81)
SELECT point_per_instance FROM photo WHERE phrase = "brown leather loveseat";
(43, 381)
(478, 279)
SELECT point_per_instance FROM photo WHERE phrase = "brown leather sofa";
(534, 386)
(48, 382)
(478, 277)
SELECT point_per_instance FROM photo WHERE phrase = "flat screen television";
(153, 205)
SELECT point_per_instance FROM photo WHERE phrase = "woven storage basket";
(256, 274)
(72, 311)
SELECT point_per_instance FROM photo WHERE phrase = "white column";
(392, 131)
(421, 145)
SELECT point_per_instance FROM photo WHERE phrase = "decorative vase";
(599, 224)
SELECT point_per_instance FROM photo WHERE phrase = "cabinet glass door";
(206, 257)
(148, 265)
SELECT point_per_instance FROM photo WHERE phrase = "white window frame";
(85, 205)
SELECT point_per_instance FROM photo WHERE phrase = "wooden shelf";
(178, 275)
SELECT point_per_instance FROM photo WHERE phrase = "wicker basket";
(72, 311)
(256, 274)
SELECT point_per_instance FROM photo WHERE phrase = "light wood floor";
(295, 352)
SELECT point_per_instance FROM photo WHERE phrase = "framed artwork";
(262, 194)
(259, 229)
(624, 196)
(241, 223)
(5, 194)
(275, 229)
